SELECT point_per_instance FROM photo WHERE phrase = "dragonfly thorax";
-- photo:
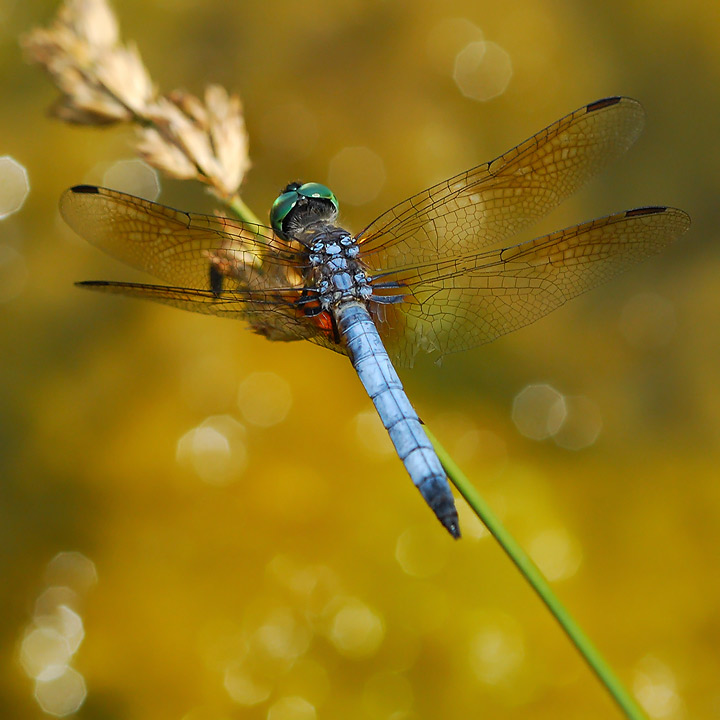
(336, 272)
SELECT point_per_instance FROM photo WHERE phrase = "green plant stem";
(533, 575)
(241, 210)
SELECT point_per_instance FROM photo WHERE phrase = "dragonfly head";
(300, 204)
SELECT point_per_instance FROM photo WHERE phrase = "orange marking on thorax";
(324, 322)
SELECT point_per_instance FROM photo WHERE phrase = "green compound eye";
(280, 208)
(284, 204)
(316, 190)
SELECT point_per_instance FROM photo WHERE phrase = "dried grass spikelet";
(104, 82)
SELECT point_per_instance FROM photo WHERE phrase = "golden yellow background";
(308, 579)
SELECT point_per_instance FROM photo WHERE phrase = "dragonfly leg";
(216, 280)
(387, 299)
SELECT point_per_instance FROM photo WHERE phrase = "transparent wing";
(174, 246)
(490, 203)
(216, 266)
(275, 315)
(465, 302)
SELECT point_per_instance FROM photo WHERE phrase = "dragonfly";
(436, 273)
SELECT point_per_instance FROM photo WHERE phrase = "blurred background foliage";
(259, 552)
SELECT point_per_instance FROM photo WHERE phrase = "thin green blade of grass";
(532, 574)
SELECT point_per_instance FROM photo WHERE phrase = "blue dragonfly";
(435, 273)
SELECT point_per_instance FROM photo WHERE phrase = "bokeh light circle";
(72, 569)
(14, 185)
(556, 553)
(482, 70)
(356, 630)
(497, 647)
(44, 653)
(356, 175)
(582, 424)
(134, 177)
(215, 450)
(62, 695)
(538, 411)
(293, 707)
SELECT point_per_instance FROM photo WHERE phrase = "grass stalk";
(535, 578)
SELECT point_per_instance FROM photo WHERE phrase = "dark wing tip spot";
(605, 102)
(87, 189)
(655, 210)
